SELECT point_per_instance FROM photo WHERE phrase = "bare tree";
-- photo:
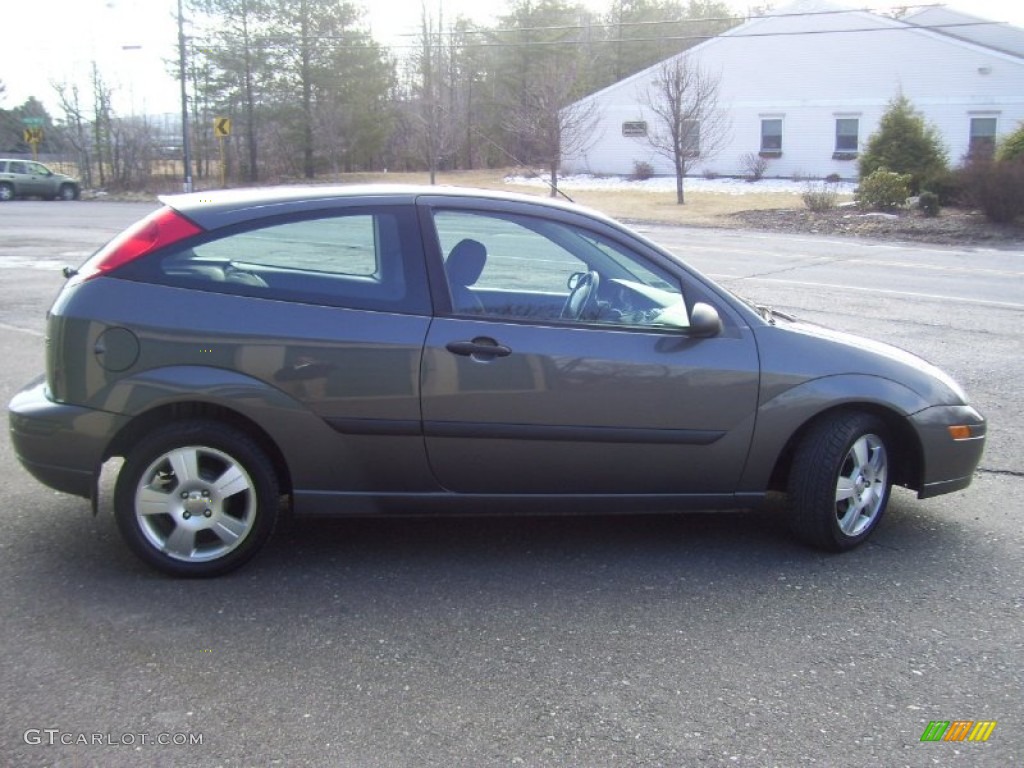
(76, 130)
(689, 124)
(437, 129)
(549, 121)
(103, 115)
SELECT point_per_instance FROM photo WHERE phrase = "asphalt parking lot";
(670, 640)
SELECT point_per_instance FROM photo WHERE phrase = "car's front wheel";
(840, 481)
(68, 192)
(196, 498)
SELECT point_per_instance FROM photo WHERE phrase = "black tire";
(67, 192)
(6, 192)
(840, 481)
(210, 495)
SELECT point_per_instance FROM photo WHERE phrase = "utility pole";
(187, 187)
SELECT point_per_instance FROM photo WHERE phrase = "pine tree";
(907, 144)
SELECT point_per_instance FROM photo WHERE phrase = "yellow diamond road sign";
(222, 126)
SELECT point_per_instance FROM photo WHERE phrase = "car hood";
(814, 351)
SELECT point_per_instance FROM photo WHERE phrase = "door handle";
(481, 347)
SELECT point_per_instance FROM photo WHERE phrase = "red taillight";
(160, 228)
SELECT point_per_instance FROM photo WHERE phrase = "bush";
(996, 187)
(1012, 146)
(946, 185)
(928, 203)
(820, 196)
(833, 178)
(883, 190)
(642, 170)
(754, 165)
(906, 144)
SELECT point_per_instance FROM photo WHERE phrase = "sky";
(132, 41)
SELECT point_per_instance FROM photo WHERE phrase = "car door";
(330, 308)
(18, 175)
(529, 389)
(38, 180)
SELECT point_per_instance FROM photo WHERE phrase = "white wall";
(809, 80)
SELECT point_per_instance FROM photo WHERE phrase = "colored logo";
(958, 730)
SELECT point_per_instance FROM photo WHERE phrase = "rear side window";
(342, 246)
(365, 259)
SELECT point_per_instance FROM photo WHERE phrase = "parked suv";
(25, 178)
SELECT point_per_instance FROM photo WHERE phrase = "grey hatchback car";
(392, 351)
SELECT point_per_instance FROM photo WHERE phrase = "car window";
(342, 245)
(17, 167)
(363, 260)
(514, 266)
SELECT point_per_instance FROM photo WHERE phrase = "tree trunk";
(680, 171)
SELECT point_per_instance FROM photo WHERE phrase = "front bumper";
(948, 463)
(62, 446)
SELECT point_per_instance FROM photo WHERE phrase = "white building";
(805, 86)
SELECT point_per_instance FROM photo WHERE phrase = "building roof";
(998, 36)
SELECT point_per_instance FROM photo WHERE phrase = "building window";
(634, 128)
(847, 134)
(689, 138)
(983, 137)
(771, 136)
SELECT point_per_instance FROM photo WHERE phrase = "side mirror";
(704, 321)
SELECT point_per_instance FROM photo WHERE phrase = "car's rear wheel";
(840, 481)
(196, 499)
(6, 192)
(67, 192)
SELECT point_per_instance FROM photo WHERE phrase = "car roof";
(220, 208)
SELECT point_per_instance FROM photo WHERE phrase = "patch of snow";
(724, 186)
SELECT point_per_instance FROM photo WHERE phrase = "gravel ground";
(952, 226)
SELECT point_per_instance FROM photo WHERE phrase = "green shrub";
(906, 144)
(834, 178)
(1012, 146)
(642, 171)
(883, 190)
(820, 196)
(928, 202)
(946, 185)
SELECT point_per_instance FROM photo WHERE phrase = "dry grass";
(701, 208)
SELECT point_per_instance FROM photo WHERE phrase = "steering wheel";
(583, 294)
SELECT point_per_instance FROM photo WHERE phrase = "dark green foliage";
(906, 144)
(640, 33)
(928, 203)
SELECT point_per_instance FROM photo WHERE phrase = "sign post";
(222, 129)
(33, 134)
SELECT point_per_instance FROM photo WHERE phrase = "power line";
(733, 19)
(287, 43)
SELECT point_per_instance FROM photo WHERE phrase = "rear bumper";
(62, 446)
(948, 463)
